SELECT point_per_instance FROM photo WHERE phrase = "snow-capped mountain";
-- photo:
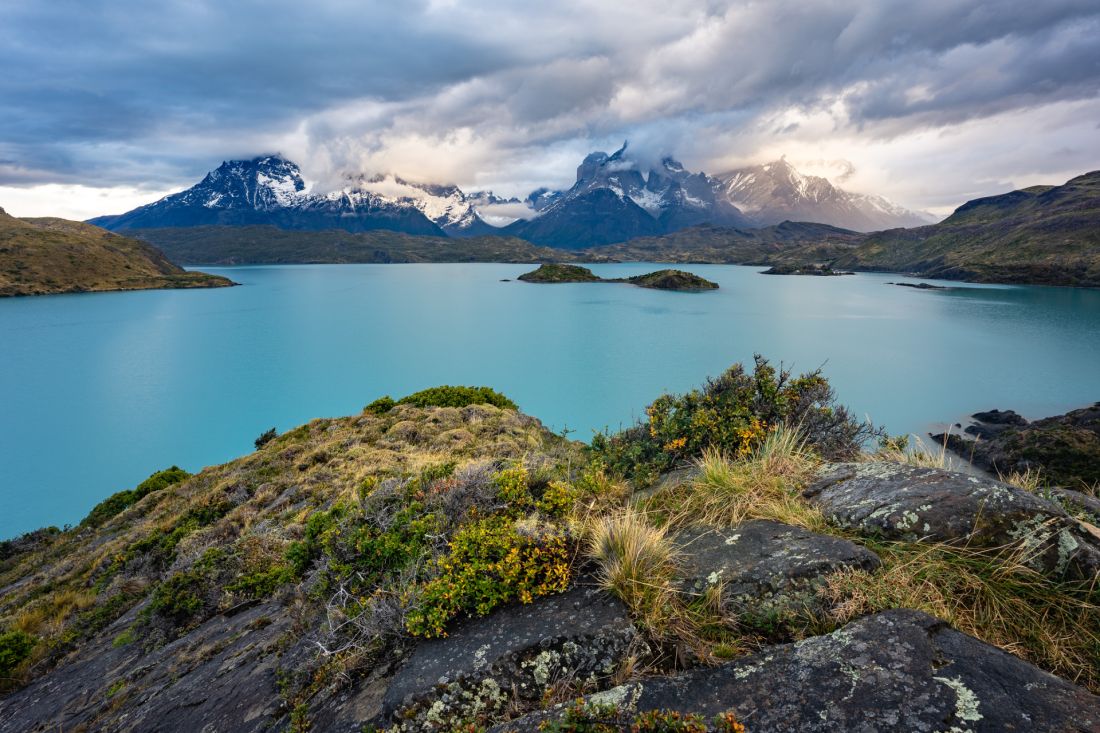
(271, 190)
(775, 192)
(615, 198)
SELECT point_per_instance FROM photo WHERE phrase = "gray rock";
(508, 659)
(766, 567)
(220, 677)
(1076, 503)
(900, 502)
(899, 670)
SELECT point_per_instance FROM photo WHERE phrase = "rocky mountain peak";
(776, 191)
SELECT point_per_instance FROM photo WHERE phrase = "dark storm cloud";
(156, 92)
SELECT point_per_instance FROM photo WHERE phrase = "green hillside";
(1042, 234)
(48, 255)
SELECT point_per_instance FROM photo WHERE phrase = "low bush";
(492, 561)
(733, 414)
(15, 646)
(381, 406)
(122, 500)
(444, 396)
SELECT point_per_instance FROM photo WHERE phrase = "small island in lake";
(659, 280)
(558, 273)
(809, 269)
(921, 286)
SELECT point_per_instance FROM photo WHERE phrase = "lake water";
(97, 391)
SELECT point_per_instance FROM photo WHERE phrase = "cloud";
(923, 101)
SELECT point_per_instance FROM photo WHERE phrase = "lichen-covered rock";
(765, 567)
(508, 659)
(896, 501)
(899, 670)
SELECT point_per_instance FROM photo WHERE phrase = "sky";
(107, 105)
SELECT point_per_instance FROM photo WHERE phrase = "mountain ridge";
(615, 197)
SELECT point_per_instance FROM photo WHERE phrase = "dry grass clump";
(912, 451)
(765, 485)
(1029, 480)
(637, 563)
(990, 594)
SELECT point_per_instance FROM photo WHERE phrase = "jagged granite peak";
(774, 192)
(614, 200)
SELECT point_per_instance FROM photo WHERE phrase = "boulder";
(900, 502)
(765, 567)
(899, 670)
(507, 660)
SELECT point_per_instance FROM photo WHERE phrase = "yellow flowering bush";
(732, 413)
(492, 561)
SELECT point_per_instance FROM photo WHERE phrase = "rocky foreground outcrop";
(931, 504)
(765, 568)
(893, 671)
(222, 632)
(511, 659)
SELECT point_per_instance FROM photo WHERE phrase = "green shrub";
(15, 646)
(262, 584)
(380, 406)
(118, 502)
(491, 562)
(265, 437)
(733, 414)
(447, 396)
(181, 597)
(512, 490)
(300, 554)
(177, 598)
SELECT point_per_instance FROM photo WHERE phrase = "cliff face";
(432, 567)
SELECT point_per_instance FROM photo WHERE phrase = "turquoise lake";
(97, 391)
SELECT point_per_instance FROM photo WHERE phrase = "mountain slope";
(43, 256)
(776, 192)
(271, 191)
(731, 245)
(1042, 234)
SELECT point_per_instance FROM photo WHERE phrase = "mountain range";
(271, 191)
(615, 198)
(1041, 234)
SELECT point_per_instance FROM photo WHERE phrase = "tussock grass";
(48, 615)
(913, 451)
(637, 562)
(990, 594)
(1029, 480)
(765, 485)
